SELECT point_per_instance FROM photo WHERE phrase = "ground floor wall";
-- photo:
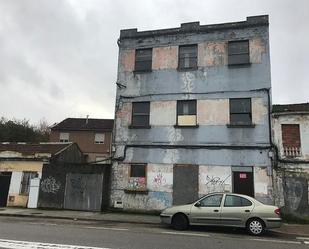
(15, 197)
(291, 185)
(163, 186)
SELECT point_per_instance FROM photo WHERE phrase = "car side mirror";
(198, 204)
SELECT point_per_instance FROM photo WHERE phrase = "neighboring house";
(291, 137)
(192, 114)
(20, 162)
(93, 136)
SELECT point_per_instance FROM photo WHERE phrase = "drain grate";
(36, 213)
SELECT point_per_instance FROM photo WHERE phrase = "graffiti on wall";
(137, 183)
(50, 185)
(216, 183)
(159, 180)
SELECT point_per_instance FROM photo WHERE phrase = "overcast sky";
(58, 58)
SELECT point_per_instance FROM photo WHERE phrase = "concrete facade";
(215, 147)
(292, 171)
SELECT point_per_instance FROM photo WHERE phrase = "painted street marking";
(302, 238)
(188, 234)
(15, 244)
(306, 242)
(277, 241)
(109, 228)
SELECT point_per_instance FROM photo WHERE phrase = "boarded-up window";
(25, 183)
(64, 137)
(143, 60)
(186, 112)
(238, 52)
(291, 139)
(137, 179)
(187, 57)
(99, 138)
(140, 114)
(240, 111)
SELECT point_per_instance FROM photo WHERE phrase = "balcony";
(290, 151)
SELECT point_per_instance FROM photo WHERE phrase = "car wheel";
(255, 227)
(180, 222)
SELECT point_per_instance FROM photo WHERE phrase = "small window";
(138, 170)
(240, 111)
(143, 60)
(25, 183)
(64, 137)
(140, 114)
(137, 179)
(238, 52)
(211, 201)
(186, 112)
(236, 201)
(187, 57)
(99, 138)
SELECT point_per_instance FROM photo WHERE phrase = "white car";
(224, 209)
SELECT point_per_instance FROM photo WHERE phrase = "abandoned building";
(21, 162)
(192, 114)
(291, 137)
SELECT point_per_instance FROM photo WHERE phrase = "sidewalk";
(81, 215)
(288, 229)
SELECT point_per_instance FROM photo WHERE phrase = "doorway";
(243, 180)
(5, 181)
(185, 184)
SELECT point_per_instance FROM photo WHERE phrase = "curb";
(80, 218)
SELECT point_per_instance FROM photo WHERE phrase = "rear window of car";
(236, 201)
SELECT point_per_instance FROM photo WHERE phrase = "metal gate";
(83, 192)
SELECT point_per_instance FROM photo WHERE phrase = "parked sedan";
(224, 209)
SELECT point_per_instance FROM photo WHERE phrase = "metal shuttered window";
(99, 138)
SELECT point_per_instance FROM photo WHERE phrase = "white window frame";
(64, 137)
(99, 138)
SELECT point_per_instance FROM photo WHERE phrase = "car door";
(207, 210)
(235, 210)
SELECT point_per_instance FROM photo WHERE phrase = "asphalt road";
(40, 233)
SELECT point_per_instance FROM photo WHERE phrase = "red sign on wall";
(243, 176)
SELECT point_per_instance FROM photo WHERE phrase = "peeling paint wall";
(217, 146)
(165, 58)
(303, 121)
(214, 179)
(292, 174)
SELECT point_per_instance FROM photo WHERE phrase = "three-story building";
(192, 114)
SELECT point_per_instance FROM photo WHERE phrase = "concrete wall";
(292, 174)
(303, 121)
(213, 145)
(17, 168)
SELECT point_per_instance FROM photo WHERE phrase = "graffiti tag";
(50, 185)
(159, 179)
(216, 183)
